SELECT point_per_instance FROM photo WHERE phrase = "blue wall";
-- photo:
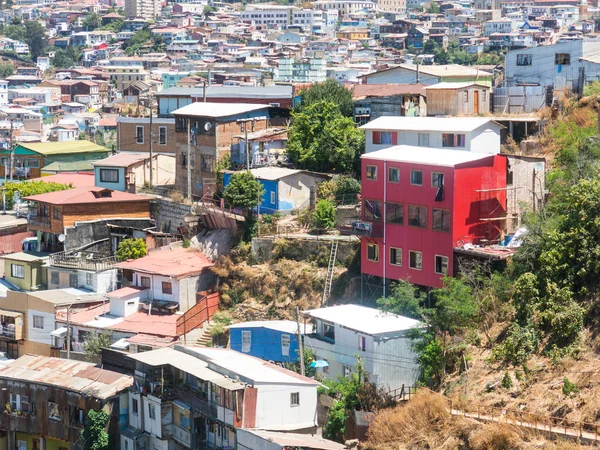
(265, 343)
(118, 186)
(266, 206)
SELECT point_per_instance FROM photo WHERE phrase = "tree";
(35, 38)
(132, 248)
(243, 191)
(330, 91)
(94, 435)
(65, 58)
(17, 32)
(404, 299)
(158, 43)
(6, 70)
(324, 215)
(322, 139)
(91, 22)
(28, 188)
(94, 345)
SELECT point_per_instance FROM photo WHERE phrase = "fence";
(519, 99)
(205, 307)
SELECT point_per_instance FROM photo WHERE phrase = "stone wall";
(170, 215)
(345, 215)
(304, 248)
(86, 232)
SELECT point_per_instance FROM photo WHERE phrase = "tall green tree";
(243, 191)
(330, 91)
(35, 38)
(94, 435)
(6, 70)
(92, 21)
(322, 139)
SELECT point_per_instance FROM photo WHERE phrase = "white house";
(225, 390)
(503, 26)
(380, 339)
(474, 134)
(3, 92)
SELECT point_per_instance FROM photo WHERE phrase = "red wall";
(460, 197)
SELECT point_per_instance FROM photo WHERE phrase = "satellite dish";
(61, 238)
(207, 126)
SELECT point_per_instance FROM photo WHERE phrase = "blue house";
(271, 340)
(285, 189)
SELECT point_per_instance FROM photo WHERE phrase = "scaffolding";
(497, 218)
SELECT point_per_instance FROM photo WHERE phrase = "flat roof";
(365, 320)
(448, 124)
(426, 155)
(210, 109)
(122, 160)
(26, 256)
(66, 296)
(277, 91)
(296, 440)
(77, 376)
(285, 326)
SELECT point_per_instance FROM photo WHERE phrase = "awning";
(4, 312)
(121, 344)
(59, 332)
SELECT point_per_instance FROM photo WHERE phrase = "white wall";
(152, 426)
(123, 307)
(485, 139)
(183, 291)
(41, 336)
(135, 420)
(400, 76)
(274, 410)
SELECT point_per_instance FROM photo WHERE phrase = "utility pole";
(189, 162)
(300, 343)
(12, 150)
(247, 146)
(151, 138)
(69, 332)
(204, 91)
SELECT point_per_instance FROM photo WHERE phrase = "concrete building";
(123, 76)
(144, 9)
(134, 135)
(344, 7)
(380, 339)
(395, 6)
(503, 26)
(272, 16)
(311, 70)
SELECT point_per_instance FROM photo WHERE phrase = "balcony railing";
(96, 262)
(39, 221)
(369, 229)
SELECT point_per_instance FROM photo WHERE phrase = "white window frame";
(286, 341)
(435, 264)
(89, 279)
(246, 341)
(422, 138)
(17, 271)
(162, 129)
(137, 140)
(152, 411)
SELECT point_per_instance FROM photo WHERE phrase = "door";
(476, 102)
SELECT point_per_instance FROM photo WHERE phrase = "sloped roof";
(61, 148)
(361, 91)
(85, 195)
(121, 160)
(175, 262)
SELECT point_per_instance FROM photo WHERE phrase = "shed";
(26, 270)
(286, 189)
(271, 340)
(455, 99)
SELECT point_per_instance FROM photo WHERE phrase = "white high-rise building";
(145, 9)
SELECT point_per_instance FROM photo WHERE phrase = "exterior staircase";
(205, 337)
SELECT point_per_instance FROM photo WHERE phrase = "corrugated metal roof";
(425, 155)
(59, 148)
(361, 91)
(210, 109)
(443, 124)
(77, 376)
(279, 91)
(448, 85)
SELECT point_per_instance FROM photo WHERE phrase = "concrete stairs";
(205, 337)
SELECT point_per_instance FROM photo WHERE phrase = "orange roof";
(86, 195)
(108, 122)
(78, 180)
(177, 262)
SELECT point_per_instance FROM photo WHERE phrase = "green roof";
(69, 166)
(61, 148)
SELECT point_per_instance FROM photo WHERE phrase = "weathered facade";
(458, 99)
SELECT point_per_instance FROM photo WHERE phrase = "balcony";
(96, 262)
(368, 229)
(182, 436)
(11, 325)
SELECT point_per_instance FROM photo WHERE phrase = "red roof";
(361, 91)
(178, 262)
(154, 341)
(86, 195)
(124, 292)
(79, 180)
(108, 122)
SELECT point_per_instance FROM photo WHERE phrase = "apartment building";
(142, 9)
(271, 16)
(123, 76)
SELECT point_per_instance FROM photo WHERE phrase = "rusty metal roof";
(76, 376)
(362, 91)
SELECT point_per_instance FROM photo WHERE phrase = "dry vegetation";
(425, 423)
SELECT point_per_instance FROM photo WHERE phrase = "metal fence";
(519, 99)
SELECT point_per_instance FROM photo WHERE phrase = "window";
(134, 406)
(162, 135)
(33, 163)
(451, 140)
(437, 179)
(246, 340)
(417, 216)
(346, 370)
(373, 252)
(145, 282)
(440, 220)
(396, 256)
(38, 322)
(394, 213)
(285, 344)
(167, 288)
(183, 159)
(329, 331)
(89, 279)
(483, 96)
(362, 343)
(272, 198)
(382, 137)
(109, 175)
(73, 280)
(562, 59)
(54, 278)
(466, 96)
(83, 335)
(441, 264)
(372, 211)
(24, 403)
(139, 135)
(56, 213)
(17, 271)
(15, 402)
(393, 175)
(295, 399)
(524, 60)
(416, 178)
(152, 411)
(53, 411)
(415, 260)
(371, 172)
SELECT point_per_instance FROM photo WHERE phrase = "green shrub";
(519, 344)
(324, 215)
(131, 249)
(507, 381)
(569, 389)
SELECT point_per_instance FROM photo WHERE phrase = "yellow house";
(354, 34)
(26, 270)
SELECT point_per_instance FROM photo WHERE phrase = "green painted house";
(26, 270)
(32, 160)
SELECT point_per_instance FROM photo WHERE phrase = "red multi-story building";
(419, 204)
